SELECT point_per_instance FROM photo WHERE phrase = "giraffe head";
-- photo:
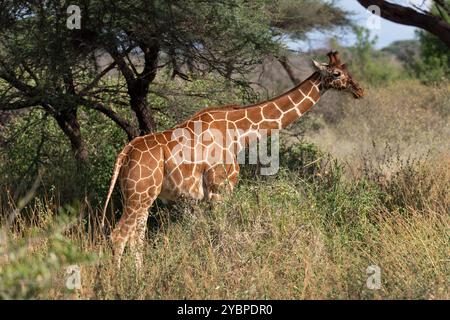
(335, 75)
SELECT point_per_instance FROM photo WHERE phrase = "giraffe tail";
(116, 170)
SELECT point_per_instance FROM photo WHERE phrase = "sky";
(386, 31)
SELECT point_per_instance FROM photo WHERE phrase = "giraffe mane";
(228, 107)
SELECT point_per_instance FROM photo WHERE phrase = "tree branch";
(124, 68)
(407, 16)
(131, 131)
(9, 77)
(21, 104)
(94, 82)
(283, 60)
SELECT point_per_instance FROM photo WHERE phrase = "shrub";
(30, 259)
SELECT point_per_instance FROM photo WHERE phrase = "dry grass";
(413, 119)
(283, 237)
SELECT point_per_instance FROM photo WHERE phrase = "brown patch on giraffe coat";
(146, 171)
(218, 124)
(206, 117)
(255, 114)
(306, 105)
(134, 173)
(269, 124)
(133, 162)
(160, 138)
(271, 111)
(243, 124)
(142, 185)
(176, 175)
(235, 115)
(289, 117)
(306, 88)
(284, 103)
(219, 115)
(129, 184)
(147, 158)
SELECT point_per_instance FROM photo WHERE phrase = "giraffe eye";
(336, 74)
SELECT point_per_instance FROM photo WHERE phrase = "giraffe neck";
(279, 112)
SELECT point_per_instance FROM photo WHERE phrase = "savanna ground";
(361, 183)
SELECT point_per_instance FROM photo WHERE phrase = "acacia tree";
(45, 65)
(32, 74)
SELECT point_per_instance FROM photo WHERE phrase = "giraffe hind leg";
(141, 181)
(122, 232)
(133, 222)
(137, 239)
(131, 229)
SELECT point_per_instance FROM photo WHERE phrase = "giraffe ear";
(319, 65)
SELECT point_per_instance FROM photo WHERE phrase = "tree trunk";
(139, 86)
(68, 122)
(138, 83)
(138, 91)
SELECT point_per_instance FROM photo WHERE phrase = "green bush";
(434, 64)
(35, 143)
(372, 66)
(29, 264)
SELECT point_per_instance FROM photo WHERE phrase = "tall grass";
(283, 237)
(382, 198)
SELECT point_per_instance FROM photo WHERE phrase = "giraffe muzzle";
(356, 90)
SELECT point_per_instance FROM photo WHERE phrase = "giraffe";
(179, 162)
